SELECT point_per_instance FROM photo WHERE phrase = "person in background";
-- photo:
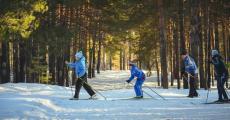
(221, 75)
(191, 69)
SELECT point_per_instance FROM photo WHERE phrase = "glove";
(128, 81)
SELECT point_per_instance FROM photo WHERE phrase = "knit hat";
(79, 54)
(132, 63)
(214, 52)
(183, 52)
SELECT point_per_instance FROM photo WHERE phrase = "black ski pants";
(221, 79)
(192, 83)
(82, 81)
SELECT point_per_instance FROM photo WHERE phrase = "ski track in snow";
(40, 101)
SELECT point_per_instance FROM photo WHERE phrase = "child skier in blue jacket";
(135, 72)
(80, 71)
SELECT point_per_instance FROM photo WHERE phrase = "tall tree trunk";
(90, 58)
(176, 53)
(104, 67)
(124, 60)
(206, 44)
(16, 61)
(170, 52)
(5, 76)
(94, 53)
(208, 47)
(121, 59)
(22, 61)
(99, 53)
(225, 44)
(201, 55)
(212, 42)
(110, 61)
(216, 45)
(158, 72)
(195, 33)
(163, 46)
(182, 38)
(172, 66)
(129, 56)
(224, 41)
(56, 70)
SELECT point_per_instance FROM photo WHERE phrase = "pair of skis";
(219, 102)
(152, 91)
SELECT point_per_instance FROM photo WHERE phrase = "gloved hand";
(128, 81)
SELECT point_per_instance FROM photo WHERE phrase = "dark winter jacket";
(219, 66)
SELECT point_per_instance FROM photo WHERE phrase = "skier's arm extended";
(131, 77)
(71, 65)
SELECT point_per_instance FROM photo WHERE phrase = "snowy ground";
(39, 101)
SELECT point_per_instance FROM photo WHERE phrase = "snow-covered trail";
(39, 101)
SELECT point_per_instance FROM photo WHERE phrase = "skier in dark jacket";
(135, 72)
(80, 71)
(191, 69)
(221, 74)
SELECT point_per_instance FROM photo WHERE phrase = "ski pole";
(209, 89)
(95, 90)
(70, 81)
(208, 95)
(155, 92)
(145, 92)
(227, 92)
(71, 90)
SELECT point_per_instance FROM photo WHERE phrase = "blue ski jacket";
(135, 72)
(79, 65)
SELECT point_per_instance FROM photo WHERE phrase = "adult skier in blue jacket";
(135, 72)
(80, 71)
(191, 69)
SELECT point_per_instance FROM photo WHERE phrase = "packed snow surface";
(41, 101)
